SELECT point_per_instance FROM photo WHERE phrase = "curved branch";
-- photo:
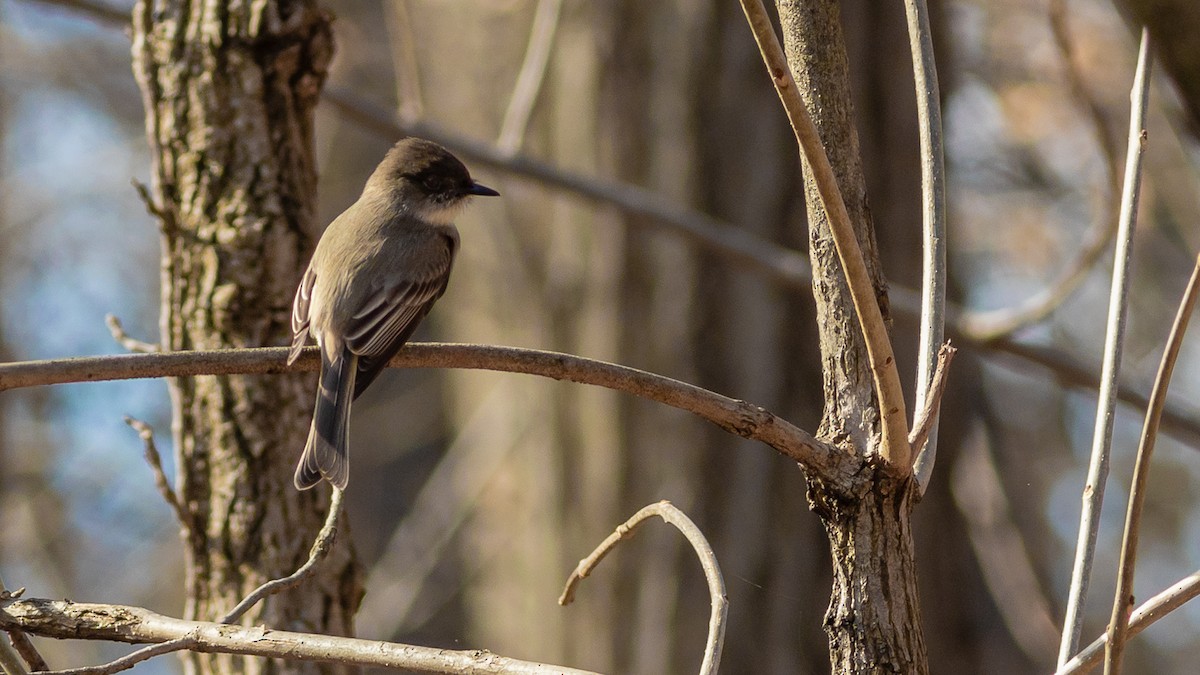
(708, 560)
(737, 417)
(933, 226)
(69, 620)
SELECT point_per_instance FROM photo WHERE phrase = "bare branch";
(69, 620)
(1093, 491)
(529, 80)
(708, 560)
(894, 447)
(933, 212)
(187, 520)
(927, 414)
(737, 417)
(1118, 622)
(133, 658)
(320, 549)
(1154, 609)
(123, 338)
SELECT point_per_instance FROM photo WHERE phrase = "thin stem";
(933, 228)
(320, 549)
(1118, 622)
(1093, 492)
(1151, 611)
(708, 560)
(894, 447)
(927, 413)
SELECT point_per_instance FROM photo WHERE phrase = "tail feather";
(326, 454)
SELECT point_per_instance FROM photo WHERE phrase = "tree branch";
(1093, 491)
(1118, 622)
(927, 415)
(118, 623)
(738, 417)
(1152, 610)
(933, 219)
(894, 447)
(708, 560)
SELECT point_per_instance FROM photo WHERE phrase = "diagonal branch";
(894, 447)
(1118, 622)
(738, 417)
(1151, 611)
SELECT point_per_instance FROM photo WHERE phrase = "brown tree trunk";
(229, 91)
(874, 620)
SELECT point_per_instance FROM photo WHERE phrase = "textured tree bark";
(873, 621)
(229, 91)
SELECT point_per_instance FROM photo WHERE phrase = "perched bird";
(377, 270)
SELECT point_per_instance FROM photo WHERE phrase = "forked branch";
(894, 445)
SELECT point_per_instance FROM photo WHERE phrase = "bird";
(377, 270)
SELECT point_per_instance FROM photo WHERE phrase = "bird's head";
(432, 183)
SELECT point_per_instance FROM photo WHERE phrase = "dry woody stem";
(1122, 603)
(708, 560)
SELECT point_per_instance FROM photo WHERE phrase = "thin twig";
(894, 447)
(1151, 611)
(1118, 622)
(1093, 492)
(187, 519)
(933, 219)
(123, 338)
(927, 414)
(133, 658)
(320, 549)
(117, 623)
(708, 560)
(838, 468)
(529, 80)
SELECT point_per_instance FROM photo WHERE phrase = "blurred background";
(476, 493)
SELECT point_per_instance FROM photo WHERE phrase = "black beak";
(481, 191)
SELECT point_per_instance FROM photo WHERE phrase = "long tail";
(326, 452)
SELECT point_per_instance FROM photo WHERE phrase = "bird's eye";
(431, 184)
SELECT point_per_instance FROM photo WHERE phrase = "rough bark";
(229, 91)
(873, 621)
